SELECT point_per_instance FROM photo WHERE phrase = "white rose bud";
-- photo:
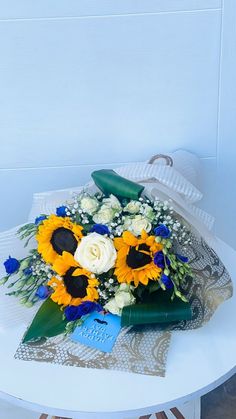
(104, 215)
(96, 253)
(123, 297)
(112, 202)
(148, 212)
(138, 224)
(112, 307)
(127, 223)
(89, 205)
(124, 287)
(133, 207)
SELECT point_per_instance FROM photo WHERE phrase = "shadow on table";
(221, 402)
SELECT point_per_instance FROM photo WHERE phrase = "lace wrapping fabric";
(144, 349)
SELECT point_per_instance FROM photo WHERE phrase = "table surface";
(198, 361)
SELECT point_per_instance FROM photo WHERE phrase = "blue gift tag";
(98, 331)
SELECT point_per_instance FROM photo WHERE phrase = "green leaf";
(139, 291)
(87, 227)
(154, 286)
(47, 322)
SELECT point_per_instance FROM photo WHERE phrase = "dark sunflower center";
(144, 247)
(75, 285)
(62, 240)
(136, 258)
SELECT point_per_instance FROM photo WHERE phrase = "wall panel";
(30, 9)
(226, 150)
(108, 90)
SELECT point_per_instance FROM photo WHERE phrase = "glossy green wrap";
(159, 310)
(109, 182)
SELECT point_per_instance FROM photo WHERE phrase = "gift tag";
(98, 331)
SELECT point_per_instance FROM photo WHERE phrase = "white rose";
(133, 207)
(123, 297)
(112, 307)
(104, 216)
(127, 223)
(148, 212)
(138, 224)
(96, 253)
(125, 287)
(112, 202)
(89, 205)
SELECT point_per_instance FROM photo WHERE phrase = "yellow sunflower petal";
(60, 267)
(156, 247)
(93, 282)
(77, 229)
(69, 259)
(129, 238)
(144, 235)
(118, 243)
(77, 272)
(76, 301)
(150, 240)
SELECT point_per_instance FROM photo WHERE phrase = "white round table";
(198, 361)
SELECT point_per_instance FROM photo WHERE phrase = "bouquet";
(116, 268)
(115, 251)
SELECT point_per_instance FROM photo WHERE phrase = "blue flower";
(100, 229)
(159, 260)
(11, 265)
(27, 271)
(38, 220)
(42, 292)
(167, 281)
(76, 312)
(61, 211)
(162, 231)
(183, 259)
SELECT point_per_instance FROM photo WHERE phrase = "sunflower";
(135, 258)
(64, 262)
(76, 286)
(55, 235)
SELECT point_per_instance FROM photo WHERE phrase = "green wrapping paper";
(109, 182)
(159, 310)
